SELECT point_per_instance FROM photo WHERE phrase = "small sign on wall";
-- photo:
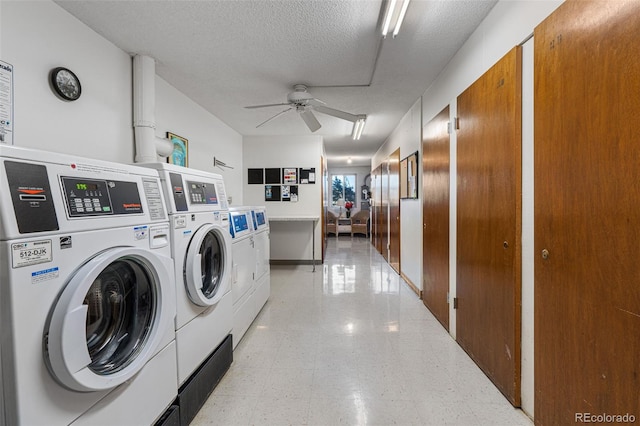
(6, 103)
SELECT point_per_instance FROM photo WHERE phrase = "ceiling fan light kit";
(304, 104)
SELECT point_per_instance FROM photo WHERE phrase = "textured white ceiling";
(229, 54)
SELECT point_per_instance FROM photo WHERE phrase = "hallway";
(351, 344)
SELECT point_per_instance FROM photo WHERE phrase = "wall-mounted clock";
(65, 84)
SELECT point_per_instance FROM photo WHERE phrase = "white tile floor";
(351, 344)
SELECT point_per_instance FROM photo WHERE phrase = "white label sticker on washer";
(180, 221)
(140, 232)
(154, 198)
(31, 253)
(44, 275)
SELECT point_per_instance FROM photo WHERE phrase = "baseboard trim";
(292, 262)
(411, 285)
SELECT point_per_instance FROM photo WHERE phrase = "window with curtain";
(343, 187)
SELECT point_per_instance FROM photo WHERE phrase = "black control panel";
(202, 193)
(31, 197)
(93, 197)
(178, 192)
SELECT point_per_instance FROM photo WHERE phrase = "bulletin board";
(409, 177)
(272, 176)
(272, 193)
(281, 183)
(255, 176)
(308, 176)
(404, 193)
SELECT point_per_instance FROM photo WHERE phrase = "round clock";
(65, 84)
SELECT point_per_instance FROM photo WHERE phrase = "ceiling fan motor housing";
(299, 95)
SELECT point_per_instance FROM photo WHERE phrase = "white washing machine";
(86, 300)
(201, 250)
(263, 270)
(244, 269)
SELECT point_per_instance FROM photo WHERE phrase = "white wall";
(37, 36)
(408, 137)
(208, 136)
(289, 240)
(527, 229)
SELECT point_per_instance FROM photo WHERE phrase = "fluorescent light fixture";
(394, 15)
(349, 160)
(358, 127)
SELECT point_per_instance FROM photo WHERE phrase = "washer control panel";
(93, 197)
(202, 193)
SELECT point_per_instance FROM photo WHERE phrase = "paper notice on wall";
(6, 103)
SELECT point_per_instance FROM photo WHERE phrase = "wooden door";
(394, 210)
(383, 221)
(323, 203)
(488, 223)
(587, 211)
(435, 216)
(374, 204)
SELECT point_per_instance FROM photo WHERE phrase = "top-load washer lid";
(109, 320)
(207, 265)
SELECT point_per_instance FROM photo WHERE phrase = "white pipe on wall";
(148, 146)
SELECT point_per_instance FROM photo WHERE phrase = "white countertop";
(294, 218)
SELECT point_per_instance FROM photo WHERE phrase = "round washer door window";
(108, 321)
(208, 265)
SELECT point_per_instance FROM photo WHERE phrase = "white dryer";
(244, 269)
(86, 299)
(263, 253)
(201, 251)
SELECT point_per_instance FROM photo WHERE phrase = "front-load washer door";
(108, 320)
(207, 266)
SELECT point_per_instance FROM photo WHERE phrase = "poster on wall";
(308, 175)
(255, 176)
(290, 193)
(272, 192)
(180, 154)
(272, 176)
(6, 103)
(289, 175)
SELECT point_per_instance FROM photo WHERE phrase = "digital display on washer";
(92, 197)
(239, 222)
(260, 218)
(202, 193)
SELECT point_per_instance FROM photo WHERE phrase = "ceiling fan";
(305, 104)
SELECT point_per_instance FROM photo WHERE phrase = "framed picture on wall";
(180, 154)
(412, 175)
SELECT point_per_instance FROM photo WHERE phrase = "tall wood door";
(394, 210)
(383, 221)
(587, 211)
(435, 216)
(372, 207)
(489, 200)
(378, 208)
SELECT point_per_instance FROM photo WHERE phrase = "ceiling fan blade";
(310, 120)
(269, 119)
(264, 106)
(315, 102)
(336, 113)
